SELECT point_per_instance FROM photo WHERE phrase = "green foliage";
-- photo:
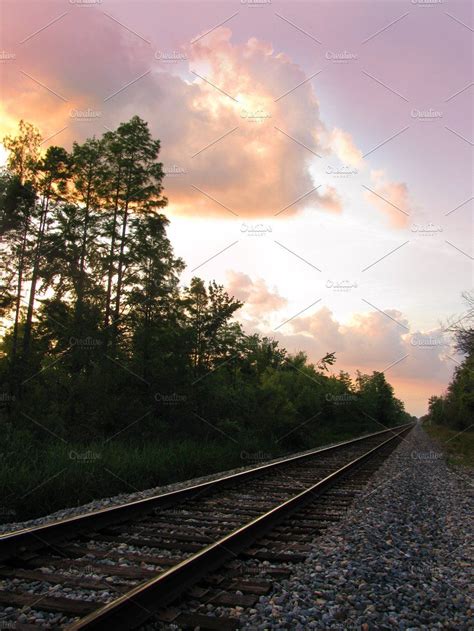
(456, 407)
(458, 445)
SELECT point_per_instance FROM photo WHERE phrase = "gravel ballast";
(400, 559)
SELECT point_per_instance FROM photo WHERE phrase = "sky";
(318, 155)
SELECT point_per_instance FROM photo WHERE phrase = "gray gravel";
(399, 560)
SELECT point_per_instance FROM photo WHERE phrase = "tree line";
(455, 408)
(100, 336)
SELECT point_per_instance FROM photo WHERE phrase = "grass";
(458, 445)
(40, 478)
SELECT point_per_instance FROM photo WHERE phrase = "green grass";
(458, 445)
(58, 476)
(40, 478)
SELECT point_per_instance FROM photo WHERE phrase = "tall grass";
(458, 444)
(39, 478)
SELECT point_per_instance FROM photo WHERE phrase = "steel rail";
(38, 537)
(136, 606)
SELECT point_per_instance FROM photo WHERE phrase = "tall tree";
(88, 182)
(136, 188)
(52, 175)
(212, 333)
(151, 292)
(23, 151)
(16, 212)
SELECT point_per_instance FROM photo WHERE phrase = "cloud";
(235, 131)
(261, 165)
(342, 144)
(237, 134)
(391, 198)
(74, 63)
(258, 298)
(331, 200)
(370, 340)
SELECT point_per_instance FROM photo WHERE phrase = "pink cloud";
(258, 298)
(391, 198)
(232, 131)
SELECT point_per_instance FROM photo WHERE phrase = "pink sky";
(302, 140)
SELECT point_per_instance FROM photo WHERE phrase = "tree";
(136, 187)
(151, 295)
(16, 212)
(87, 179)
(212, 336)
(456, 407)
(110, 335)
(377, 400)
(52, 175)
(23, 152)
(16, 204)
(464, 329)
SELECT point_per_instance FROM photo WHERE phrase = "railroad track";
(117, 567)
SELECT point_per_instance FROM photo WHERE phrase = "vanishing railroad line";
(167, 557)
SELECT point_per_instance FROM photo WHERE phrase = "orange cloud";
(258, 165)
(391, 198)
(237, 137)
